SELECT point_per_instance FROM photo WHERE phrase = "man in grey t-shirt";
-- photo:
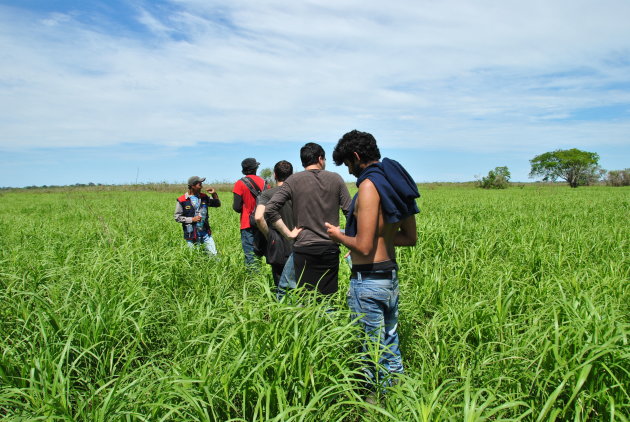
(317, 196)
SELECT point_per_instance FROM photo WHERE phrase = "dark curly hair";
(310, 153)
(362, 143)
(283, 169)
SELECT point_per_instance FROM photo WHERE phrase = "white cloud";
(450, 73)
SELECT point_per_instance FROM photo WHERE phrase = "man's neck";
(313, 167)
(363, 166)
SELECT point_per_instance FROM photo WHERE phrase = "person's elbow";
(362, 252)
(408, 239)
(363, 249)
(269, 215)
(413, 239)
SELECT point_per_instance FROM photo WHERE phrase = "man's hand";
(196, 219)
(211, 191)
(334, 232)
(284, 230)
(293, 234)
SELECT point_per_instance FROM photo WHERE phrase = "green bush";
(618, 177)
(499, 178)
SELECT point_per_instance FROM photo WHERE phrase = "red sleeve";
(239, 186)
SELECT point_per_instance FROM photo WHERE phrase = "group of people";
(300, 221)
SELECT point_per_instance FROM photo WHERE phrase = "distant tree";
(576, 167)
(618, 177)
(267, 174)
(499, 178)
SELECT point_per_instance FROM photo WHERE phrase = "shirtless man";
(382, 216)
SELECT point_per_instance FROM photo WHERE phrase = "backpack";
(260, 242)
(278, 248)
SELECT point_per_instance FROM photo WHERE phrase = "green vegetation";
(576, 167)
(499, 178)
(514, 306)
(618, 177)
(267, 174)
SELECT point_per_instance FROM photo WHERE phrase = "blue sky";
(121, 91)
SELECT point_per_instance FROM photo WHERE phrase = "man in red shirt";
(245, 203)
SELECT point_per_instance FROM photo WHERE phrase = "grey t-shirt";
(317, 196)
(286, 212)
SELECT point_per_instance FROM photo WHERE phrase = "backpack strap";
(253, 187)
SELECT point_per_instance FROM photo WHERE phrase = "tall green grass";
(514, 306)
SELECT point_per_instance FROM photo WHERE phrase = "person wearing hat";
(245, 191)
(192, 212)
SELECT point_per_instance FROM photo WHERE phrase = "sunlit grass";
(514, 306)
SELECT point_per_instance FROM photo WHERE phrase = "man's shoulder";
(367, 187)
(268, 193)
(271, 191)
(183, 198)
(333, 175)
(256, 179)
(240, 187)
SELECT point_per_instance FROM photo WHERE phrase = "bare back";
(375, 238)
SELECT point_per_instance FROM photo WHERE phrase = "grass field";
(515, 305)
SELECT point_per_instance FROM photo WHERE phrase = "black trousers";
(276, 272)
(317, 271)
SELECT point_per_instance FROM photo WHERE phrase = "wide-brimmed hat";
(249, 164)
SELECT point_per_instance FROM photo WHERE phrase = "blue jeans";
(287, 279)
(205, 239)
(374, 299)
(247, 242)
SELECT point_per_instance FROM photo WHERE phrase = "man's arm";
(344, 198)
(407, 234)
(367, 209)
(276, 202)
(259, 216)
(284, 230)
(180, 218)
(272, 212)
(215, 201)
(237, 203)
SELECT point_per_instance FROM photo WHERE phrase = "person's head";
(356, 148)
(282, 170)
(249, 166)
(195, 183)
(311, 153)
